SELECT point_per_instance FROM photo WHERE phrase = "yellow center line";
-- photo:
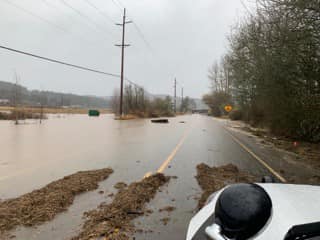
(173, 153)
(274, 172)
(148, 174)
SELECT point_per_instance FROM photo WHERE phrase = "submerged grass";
(44, 204)
(212, 179)
(113, 221)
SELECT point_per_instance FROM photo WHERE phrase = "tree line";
(271, 71)
(137, 102)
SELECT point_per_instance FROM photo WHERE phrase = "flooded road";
(33, 155)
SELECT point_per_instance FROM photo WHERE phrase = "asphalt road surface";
(34, 155)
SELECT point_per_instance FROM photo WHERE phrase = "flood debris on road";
(160, 120)
(165, 220)
(167, 209)
(113, 221)
(45, 203)
(212, 179)
(120, 185)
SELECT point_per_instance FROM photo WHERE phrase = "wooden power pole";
(16, 98)
(175, 96)
(181, 99)
(122, 45)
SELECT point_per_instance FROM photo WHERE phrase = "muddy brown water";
(33, 155)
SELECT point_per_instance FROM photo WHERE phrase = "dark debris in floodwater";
(45, 203)
(165, 220)
(167, 209)
(113, 221)
(212, 179)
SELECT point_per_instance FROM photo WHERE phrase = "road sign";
(228, 108)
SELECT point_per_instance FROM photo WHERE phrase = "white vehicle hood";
(291, 205)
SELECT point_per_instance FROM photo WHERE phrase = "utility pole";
(122, 45)
(41, 106)
(16, 98)
(175, 96)
(181, 99)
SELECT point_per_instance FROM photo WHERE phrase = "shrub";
(235, 114)
(215, 111)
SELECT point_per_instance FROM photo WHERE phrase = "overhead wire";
(117, 5)
(69, 64)
(52, 24)
(64, 30)
(81, 14)
(142, 36)
(120, 6)
(50, 5)
(58, 61)
(103, 14)
(35, 15)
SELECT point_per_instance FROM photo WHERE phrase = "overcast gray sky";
(183, 38)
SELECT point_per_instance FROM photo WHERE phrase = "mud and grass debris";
(165, 220)
(45, 203)
(212, 179)
(110, 195)
(167, 209)
(114, 221)
(120, 185)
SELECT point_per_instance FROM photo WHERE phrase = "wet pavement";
(32, 155)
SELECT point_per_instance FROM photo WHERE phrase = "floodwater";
(34, 154)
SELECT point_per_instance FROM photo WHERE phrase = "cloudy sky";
(170, 38)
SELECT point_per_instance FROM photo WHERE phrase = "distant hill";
(55, 99)
(48, 98)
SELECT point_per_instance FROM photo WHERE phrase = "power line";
(36, 16)
(50, 5)
(44, 19)
(103, 14)
(59, 62)
(70, 65)
(82, 15)
(142, 36)
(117, 5)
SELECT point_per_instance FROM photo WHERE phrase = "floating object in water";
(160, 120)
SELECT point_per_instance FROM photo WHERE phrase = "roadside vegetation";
(138, 103)
(28, 112)
(20, 115)
(271, 72)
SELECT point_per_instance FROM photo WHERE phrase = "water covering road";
(32, 155)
